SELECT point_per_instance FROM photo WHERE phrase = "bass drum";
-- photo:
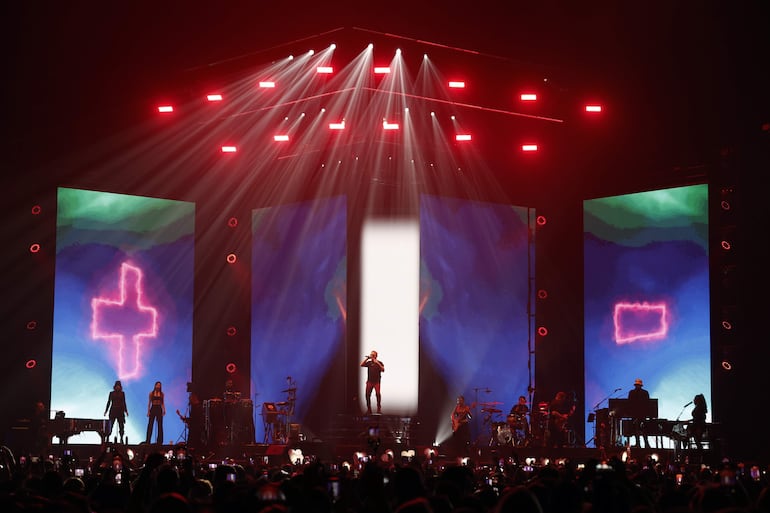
(504, 434)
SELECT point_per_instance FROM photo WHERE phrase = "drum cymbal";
(281, 403)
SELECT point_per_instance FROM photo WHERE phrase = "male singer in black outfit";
(374, 368)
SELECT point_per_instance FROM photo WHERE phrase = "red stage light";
(229, 149)
(36, 209)
(593, 108)
(529, 147)
(542, 331)
(381, 70)
(231, 368)
(456, 84)
(34, 248)
(463, 137)
(389, 126)
(528, 97)
(232, 222)
(31, 363)
(337, 126)
(324, 70)
(541, 220)
(727, 325)
(726, 245)
(542, 294)
(266, 84)
(214, 97)
(281, 137)
(232, 258)
(32, 325)
(231, 331)
(165, 108)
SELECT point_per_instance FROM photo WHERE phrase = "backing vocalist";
(374, 368)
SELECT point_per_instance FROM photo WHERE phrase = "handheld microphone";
(688, 404)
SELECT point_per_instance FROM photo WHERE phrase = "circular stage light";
(231, 368)
(231, 331)
(231, 258)
(31, 363)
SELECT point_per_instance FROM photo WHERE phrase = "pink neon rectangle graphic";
(529, 147)
(324, 69)
(593, 108)
(214, 97)
(166, 108)
(267, 84)
(381, 70)
(639, 322)
(280, 137)
(337, 126)
(389, 126)
(463, 137)
(528, 97)
(457, 84)
(229, 149)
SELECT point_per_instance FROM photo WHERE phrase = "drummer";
(517, 418)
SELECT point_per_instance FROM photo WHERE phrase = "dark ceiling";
(681, 80)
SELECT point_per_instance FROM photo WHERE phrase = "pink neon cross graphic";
(640, 321)
(123, 319)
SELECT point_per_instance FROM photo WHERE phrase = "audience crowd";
(176, 483)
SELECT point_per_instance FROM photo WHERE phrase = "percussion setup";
(276, 416)
(228, 421)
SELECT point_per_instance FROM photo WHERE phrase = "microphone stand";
(596, 407)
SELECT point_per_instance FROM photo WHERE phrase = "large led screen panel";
(646, 282)
(299, 313)
(123, 307)
(476, 262)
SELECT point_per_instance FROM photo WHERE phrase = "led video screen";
(474, 289)
(299, 310)
(646, 282)
(123, 308)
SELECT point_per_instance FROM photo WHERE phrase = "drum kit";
(514, 431)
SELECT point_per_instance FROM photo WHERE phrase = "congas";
(245, 422)
(214, 415)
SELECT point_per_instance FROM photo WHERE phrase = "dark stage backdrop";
(647, 298)
(299, 309)
(474, 324)
(123, 306)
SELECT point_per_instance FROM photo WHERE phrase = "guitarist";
(461, 432)
(561, 409)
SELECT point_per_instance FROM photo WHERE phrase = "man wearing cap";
(635, 396)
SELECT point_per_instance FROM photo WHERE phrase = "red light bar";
(214, 97)
(389, 126)
(529, 147)
(266, 84)
(281, 137)
(229, 149)
(381, 70)
(324, 69)
(593, 108)
(337, 126)
(528, 97)
(463, 137)
(454, 84)
(165, 108)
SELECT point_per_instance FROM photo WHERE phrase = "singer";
(374, 368)
(637, 395)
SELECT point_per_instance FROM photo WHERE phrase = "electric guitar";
(460, 418)
(186, 420)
